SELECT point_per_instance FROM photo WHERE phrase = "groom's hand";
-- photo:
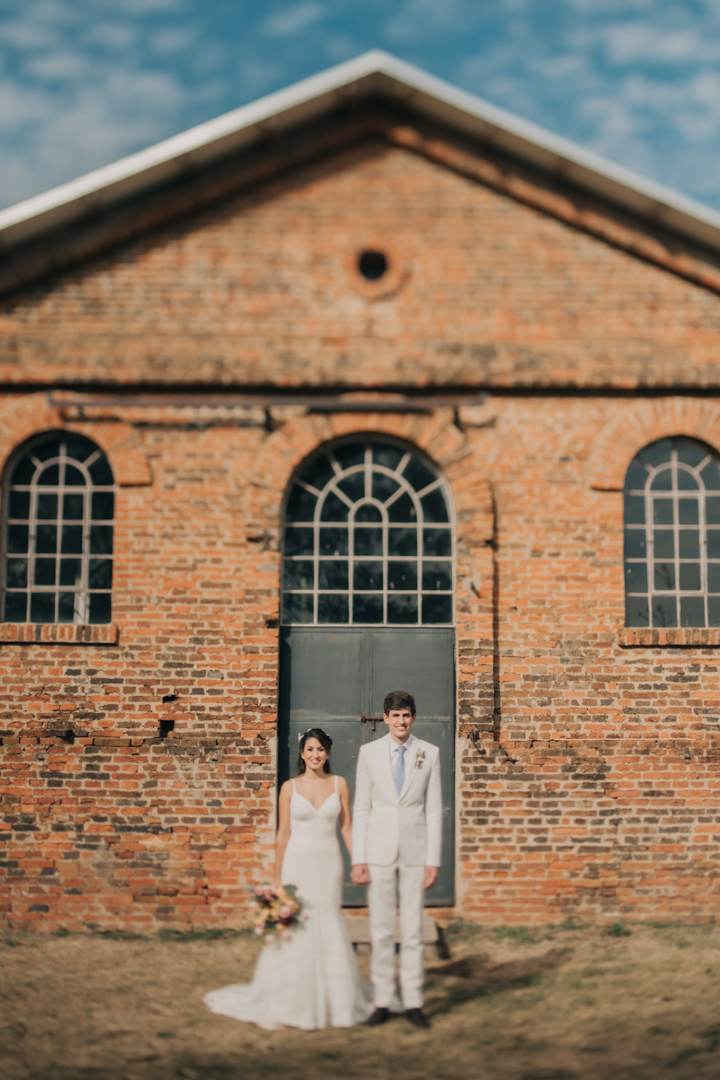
(360, 874)
(431, 873)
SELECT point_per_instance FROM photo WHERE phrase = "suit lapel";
(385, 765)
(410, 769)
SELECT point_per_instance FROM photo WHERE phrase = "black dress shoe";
(380, 1016)
(417, 1017)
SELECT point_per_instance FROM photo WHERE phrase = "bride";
(312, 980)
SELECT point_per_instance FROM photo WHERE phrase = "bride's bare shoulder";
(287, 788)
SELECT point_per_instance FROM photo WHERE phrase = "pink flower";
(269, 939)
(305, 918)
(286, 935)
(285, 911)
(258, 930)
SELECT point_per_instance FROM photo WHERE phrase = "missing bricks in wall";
(169, 697)
(166, 726)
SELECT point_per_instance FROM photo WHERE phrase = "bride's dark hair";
(325, 741)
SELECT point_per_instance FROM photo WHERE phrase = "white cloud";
(417, 17)
(641, 41)
(293, 20)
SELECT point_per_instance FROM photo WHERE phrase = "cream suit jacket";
(387, 826)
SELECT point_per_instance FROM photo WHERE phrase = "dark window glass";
(333, 575)
(664, 544)
(437, 542)
(712, 511)
(713, 572)
(100, 574)
(711, 476)
(46, 450)
(333, 608)
(387, 455)
(367, 608)
(101, 472)
(18, 539)
(689, 543)
(402, 575)
(299, 575)
(70, 572)
(637, 612)
(333, 542)
(402, 541)
(662, 481)
(318, 473)
(636, 477)
(353, 486)
(73, 477)
(664, 611)
(101, 539)
(46, 539)
(368, 575)
(16, 573)
(636, 579)
(689, 512)
(16, 607)
(383, 487)
(690, 576)
(436, 575)
(299, 541)
(298, 608)
(20, 505)
(436, 609)
(66, 607)
(42, 607)
(103, 505)
(47, 507)
(434, 506)
(634, 510)
(350, 454)
(690, 452)
(692, 611)
(663, 512)
(301, 505)
(664, 576)
(24, 471)
(402, 608)
(418, 474)
(368, 542)
(72, 539)
(713, 544)
(334, 509)
(73, 507)
(80, 449)
(100, 608)
(45, 570)
(50, 477)
(367, 512)
(713, 610)
(635, 547)
(686, 481)
(403, 509)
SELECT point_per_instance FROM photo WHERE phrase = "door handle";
(370, 720)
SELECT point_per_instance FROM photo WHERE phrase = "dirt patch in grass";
(562, 1003)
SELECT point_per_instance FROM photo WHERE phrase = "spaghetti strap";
(336, 784)
(293, 784)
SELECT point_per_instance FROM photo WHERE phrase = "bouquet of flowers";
(274, 910)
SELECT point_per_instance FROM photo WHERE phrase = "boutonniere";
(419, 758)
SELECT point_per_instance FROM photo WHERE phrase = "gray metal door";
(332, 677)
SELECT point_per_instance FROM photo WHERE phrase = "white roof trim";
(374, 71)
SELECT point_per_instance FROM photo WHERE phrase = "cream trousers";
(386, 883)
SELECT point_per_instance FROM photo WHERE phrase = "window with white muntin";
(672, 535)
(59, 505)
(368, 538)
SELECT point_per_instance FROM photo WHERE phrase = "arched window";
(58, 532)
(368, 538)
(672, 535)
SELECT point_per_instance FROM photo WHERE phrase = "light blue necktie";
(400, 769)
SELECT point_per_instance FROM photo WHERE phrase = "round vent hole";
(372, 265)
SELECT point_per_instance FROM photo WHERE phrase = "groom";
(397, 826)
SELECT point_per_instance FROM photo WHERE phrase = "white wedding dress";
(311, 981)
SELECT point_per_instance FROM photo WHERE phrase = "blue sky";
(83, 82)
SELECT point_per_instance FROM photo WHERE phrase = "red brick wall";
(588, 783)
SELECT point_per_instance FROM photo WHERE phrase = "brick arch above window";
(645, 422)
(29, 416)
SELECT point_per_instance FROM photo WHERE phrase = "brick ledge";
(685, 637)
(58, 633)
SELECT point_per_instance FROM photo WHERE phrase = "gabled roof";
(373, 74)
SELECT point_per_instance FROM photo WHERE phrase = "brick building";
(338, 391)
